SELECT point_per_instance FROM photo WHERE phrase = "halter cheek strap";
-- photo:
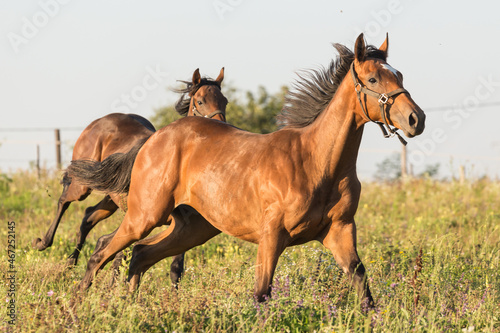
(382, 101)
(199, 114)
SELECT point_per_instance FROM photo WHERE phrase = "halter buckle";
(383, 99)
(356, 85)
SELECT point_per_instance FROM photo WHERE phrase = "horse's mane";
(314, 88)
(182, 105)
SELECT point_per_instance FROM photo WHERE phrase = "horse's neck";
(335, 136)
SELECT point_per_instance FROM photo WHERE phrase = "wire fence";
(48, 148)
(51, 148)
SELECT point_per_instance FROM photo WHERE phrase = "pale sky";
(64, 63)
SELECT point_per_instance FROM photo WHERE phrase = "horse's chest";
(317, 213)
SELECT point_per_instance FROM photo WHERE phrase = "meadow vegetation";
(431, 250)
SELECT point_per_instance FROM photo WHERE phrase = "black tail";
(111, 175)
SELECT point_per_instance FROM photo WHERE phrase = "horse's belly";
(234, 225)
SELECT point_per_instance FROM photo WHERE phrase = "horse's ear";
(360, 48)
(385, 45)
(220, 77)
(196, 77)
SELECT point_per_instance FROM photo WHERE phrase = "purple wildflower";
(332, 310)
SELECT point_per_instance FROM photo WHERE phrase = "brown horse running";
(276, 190)
(119, 133)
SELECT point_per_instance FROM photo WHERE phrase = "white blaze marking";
(392, 69)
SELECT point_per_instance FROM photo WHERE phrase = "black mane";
(314, 88)
(182, 105)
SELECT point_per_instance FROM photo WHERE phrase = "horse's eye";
(372, 80)
(199, 102)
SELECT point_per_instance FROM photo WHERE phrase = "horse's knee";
(93, 261)
(89, 211)
(63, 201)
(85, 227)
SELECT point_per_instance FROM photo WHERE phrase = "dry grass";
(430, 249)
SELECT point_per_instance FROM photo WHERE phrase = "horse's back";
(143, 121)
(113, 133)
(218, 142)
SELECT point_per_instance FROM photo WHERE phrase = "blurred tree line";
(254, 112)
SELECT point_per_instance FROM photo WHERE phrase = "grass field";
(431, 250)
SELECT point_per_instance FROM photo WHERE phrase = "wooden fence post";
(461, 170)
(404, 170)
(38, 161)
(58, 149)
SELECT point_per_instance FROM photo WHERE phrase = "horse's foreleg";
(341, 240)
(184, 213)
(268, 253)
(177, 269)
(71, 192)
(178, 238)
(93, 215)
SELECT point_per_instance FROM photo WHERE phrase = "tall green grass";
(452, 229)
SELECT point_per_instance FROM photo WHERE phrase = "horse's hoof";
(83, 286)
(71, 262)
(175, 279)
(368, 305)
(38, 244)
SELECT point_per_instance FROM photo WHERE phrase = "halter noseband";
(211, 115)
(198, 113)
(382, 101)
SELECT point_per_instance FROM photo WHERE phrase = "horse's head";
(380, 91)
(206, 97)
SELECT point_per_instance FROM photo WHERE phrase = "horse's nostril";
(412, 119)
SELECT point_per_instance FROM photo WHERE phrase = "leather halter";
(211, 115)
(382, 101)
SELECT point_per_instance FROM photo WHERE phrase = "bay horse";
(276, 190)
(120, 133)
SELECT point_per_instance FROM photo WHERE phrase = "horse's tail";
(112, 175)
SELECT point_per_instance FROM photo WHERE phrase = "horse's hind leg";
(136, 225)
(71, 192)
(181, 236)
(102, 242)
(93, 215)
(341, 240)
